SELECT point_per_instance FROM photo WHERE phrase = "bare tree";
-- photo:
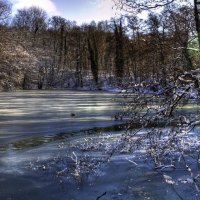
(33, 19)
(169, 137)
(197, 18)
(119, 50)
(137, 6)
(5, 11)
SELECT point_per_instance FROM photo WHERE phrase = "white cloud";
(104, 9)
(97, 10)
(47, 5)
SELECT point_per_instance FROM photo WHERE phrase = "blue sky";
(78, 10)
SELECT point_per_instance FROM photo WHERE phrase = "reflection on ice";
(32, 113)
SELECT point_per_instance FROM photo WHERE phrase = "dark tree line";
(41, 52)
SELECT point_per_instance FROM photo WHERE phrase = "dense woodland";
(42, 52)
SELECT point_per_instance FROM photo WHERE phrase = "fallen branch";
(101, 195)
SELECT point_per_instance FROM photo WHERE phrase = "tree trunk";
(197, 19)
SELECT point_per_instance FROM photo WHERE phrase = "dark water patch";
(3, 147)
(40, 140)
(37, 141)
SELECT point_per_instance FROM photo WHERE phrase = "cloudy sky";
(78, 10)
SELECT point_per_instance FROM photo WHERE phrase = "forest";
(42, 52)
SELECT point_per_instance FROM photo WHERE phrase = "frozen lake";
(36, 113)
(43, 134)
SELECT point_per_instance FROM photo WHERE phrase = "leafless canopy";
(140, 5)
(5, 10)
